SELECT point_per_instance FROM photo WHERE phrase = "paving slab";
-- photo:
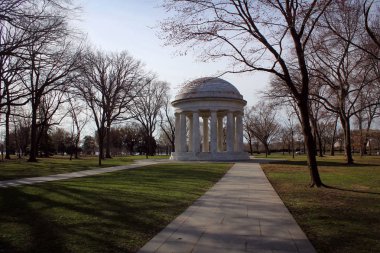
(70, 175)
(240, 213)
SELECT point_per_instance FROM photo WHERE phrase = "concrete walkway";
(83, 173)
(241, 213)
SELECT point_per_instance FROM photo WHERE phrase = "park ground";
(121, 211)
(343, 218)
(20, 168)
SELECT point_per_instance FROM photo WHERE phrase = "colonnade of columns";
(187, 125)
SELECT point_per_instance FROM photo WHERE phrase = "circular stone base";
(208, 156)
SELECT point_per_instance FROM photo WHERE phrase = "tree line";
(49, 75)
(320, 53)
(268, 128)
(323, 56)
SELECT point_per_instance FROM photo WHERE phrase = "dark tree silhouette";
(264, 35)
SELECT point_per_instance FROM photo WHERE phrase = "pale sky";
(117, 25)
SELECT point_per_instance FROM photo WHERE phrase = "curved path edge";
(70, 175)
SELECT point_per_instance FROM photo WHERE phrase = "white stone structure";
(220, 107)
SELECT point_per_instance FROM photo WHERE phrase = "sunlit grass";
(344, 218)
(113, 212)
(20, 168)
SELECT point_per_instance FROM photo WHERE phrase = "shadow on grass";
(346, 228)
(326, 164)
(117, 212)
(350, 190)
(66, 219)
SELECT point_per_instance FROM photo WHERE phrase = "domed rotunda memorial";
(209, 121)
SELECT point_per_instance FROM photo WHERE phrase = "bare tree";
(291, 129)
(51, 67)
(33, 32)
(366, 113)
(11, 93)
(25, 22)
(167, 123)
(264, 35)
(340, 69)
(126, 80)
(247, 120)
(79, 118)
(21, 121)
(11, 67)
(372, 23)
(147, 107)
(263, 124)
(49, 114)
(91, 86)
(367, 20)
(132, 135)
(108, 84)
(316, 112)
(23, 25)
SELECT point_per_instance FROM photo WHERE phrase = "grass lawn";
(112, 212)
(281, 156)
(20, 168)
(341, 219)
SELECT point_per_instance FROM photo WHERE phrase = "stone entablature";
(221, 108)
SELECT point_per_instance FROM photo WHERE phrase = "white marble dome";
(220, 106)
(208, 87)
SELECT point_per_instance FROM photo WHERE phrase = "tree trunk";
(148, 147)
(292, 144)
(76, 148)
(7, 140)
(347, 139)
(108, 140)
(266, 146)
(257, 147)
(101, 141)
(33, 137)
(18, 146)
(309, 142)
(361, 138)
(332, 148)
(250, 145)
(317, 137)
(320, 145)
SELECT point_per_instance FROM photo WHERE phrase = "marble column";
(213, 132)
(239, 133)
(230, 132)
(205, 143)
(220, 134)
(183, 132)
(196, 133)
(190, 119)
(233, 130)
(177, 140)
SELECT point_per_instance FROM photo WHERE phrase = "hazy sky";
(116, 25)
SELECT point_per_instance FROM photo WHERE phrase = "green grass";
(20, 168)
(345, 218)
(112, 212)
(281, 156)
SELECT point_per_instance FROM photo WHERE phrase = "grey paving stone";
(225, 242)
(241, 213)
(270, 243)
